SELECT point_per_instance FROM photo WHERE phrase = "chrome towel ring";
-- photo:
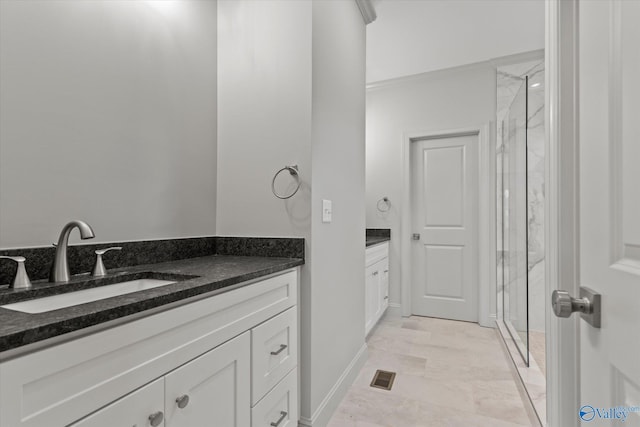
(293, 171)
(384, 204)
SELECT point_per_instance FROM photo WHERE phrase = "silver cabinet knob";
(588, 305)
(21, 279)
(182, 401)
(156, 418)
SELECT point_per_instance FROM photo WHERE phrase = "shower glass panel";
(514, 233)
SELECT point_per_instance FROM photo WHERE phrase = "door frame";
(486, 221)
(562, 202)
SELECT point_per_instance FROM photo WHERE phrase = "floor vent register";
(383, 379)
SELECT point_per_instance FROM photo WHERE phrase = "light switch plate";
(326, 211)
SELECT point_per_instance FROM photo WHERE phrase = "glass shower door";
(514, 233)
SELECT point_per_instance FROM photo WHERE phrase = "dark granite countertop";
(375, 236)
(198, 276)
(374, 240)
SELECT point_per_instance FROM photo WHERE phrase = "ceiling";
(416, 36)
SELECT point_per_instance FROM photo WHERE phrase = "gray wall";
(291, 79)
(264, 115)
(441, 100)
(107, 114)
(336, 320)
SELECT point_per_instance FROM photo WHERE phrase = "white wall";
(411, 37)
(336, 320)
(107, 114)
(457, 98)
(264, 115)
(291, 79)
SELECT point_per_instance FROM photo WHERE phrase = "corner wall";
(264, 115)
(336, 321)
(292, 91)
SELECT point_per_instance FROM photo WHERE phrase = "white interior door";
(445, 216)
(609, 111)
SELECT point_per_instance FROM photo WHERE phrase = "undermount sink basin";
(41, 305)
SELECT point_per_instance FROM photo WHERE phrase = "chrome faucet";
(60, 267)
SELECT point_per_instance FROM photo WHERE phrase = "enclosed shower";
(520, 221)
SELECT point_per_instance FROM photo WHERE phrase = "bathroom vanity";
(376, 278)
(218, 348)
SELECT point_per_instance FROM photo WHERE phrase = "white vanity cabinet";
(376, 284)
(135, 409)
(195, 364)
(211, 389)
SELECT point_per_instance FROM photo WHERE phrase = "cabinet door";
(133, 410)
(384, 284)
(212, 390)
(371, 296)
(379, 300)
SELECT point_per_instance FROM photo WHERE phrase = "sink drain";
(383, 379)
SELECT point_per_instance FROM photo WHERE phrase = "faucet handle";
(21, 280)
(99, 269)
(104, 251)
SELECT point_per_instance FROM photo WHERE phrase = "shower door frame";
(507, 323)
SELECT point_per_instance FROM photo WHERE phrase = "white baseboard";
(322, 415)
(489, 322)
(394, 309)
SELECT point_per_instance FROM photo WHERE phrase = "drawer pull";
(156, 418)
(375, 273)
(283, 415)
(282, 347)
(183, 401)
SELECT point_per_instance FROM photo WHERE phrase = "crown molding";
(428, 75)
(367, 10)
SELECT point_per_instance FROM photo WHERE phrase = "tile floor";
(448, 374)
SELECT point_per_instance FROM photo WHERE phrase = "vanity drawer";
(280, 406)
(274, 352)
(376, 253)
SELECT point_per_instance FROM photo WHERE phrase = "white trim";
(561, 215)
(530, 377)
(367, 10)
(487, 245)
(427, 75)
(394, 309)
(327, 407)
(486, 234)
(435, 74)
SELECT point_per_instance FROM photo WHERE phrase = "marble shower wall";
(509, 80)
